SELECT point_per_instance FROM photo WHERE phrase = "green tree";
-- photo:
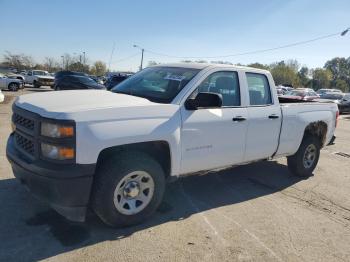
(99, 68)
(321, 78)
(340, 68)
(303, 75)
(285, 74)
(342, 85)
(76, 66)
(260, 66)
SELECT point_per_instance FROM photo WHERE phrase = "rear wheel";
(128, 189)
(304, 161)
(13, 86)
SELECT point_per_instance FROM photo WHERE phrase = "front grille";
(23, 122)
(25, 144)
(44, 80)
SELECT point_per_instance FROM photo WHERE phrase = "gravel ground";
(257, 212)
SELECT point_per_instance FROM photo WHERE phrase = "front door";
(214, 138)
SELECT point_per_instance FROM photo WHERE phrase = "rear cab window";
(259, 89)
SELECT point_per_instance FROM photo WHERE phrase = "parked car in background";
(280, 91)
(285, 88)
(39, 78)
(306, 94)
(12, 84)
(344, 104)
(17, 76)
(114, 80)
(71, 82)
(323, 91)
(63, 73)
(331, 96)
(97, 79)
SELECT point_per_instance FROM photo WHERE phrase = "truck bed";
(285, 100)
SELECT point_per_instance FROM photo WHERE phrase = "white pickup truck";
(114, 151)
(39, 78)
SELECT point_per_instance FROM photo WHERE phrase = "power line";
(110, 58)
(126, 58)
(252, 52)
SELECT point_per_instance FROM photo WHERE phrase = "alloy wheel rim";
(12, 87)
(133, 192)
(309, 156)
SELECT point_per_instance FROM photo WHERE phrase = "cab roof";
(209, 65)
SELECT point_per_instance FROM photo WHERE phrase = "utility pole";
(142, 51)
(84, 62)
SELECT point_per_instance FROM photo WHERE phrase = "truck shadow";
(29, 230)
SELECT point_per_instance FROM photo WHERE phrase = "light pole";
(84, 62)
(142, 50)
(62, 61)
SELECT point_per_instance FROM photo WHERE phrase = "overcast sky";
(176, 28)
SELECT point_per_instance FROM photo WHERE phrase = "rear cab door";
(264, 115)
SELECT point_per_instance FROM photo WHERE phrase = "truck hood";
(45, 77)
(84, 104)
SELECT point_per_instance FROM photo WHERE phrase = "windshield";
(322, 91)
(295, 93)
(157, 84)
(40, 73)
(86, 80)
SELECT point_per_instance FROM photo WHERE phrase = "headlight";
(56, 131)
(57, 152)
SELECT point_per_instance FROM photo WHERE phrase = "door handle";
(273, 116)
(238, 119)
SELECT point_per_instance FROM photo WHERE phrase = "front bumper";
(65, 187)
(45, 82)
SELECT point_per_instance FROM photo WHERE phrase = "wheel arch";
(318, 129)
(159, 149)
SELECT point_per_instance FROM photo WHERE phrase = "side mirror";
(204, 100)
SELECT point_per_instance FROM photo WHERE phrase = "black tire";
(296, 162)
(13, 87)
(36, 85)
(111, 171)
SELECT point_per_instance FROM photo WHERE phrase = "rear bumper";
(66, 188)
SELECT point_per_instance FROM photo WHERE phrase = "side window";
(225, 83)
(259, 89)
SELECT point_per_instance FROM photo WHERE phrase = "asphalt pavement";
(256, 212)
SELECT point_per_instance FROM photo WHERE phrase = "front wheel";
(35, 84)
(304, 161)
(13, 87)
(128, 189)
